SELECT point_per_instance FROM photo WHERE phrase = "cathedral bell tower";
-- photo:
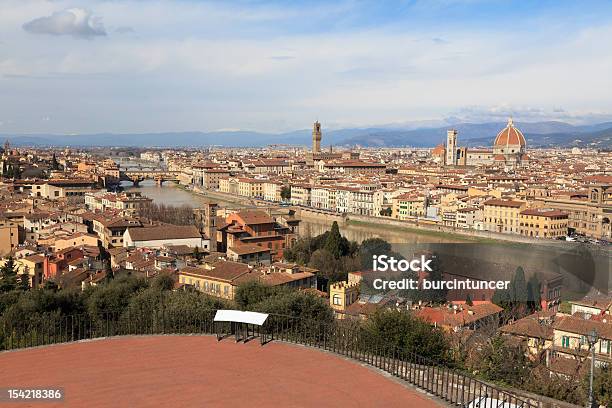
(451, 148)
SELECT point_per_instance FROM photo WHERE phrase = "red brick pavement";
(197, 371)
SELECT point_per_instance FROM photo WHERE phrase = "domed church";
(509, 150)
(510, 144)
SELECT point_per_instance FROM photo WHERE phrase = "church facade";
(509, 150)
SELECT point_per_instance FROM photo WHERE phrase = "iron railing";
(352, 341)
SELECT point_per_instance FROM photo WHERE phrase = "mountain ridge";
(538, 134)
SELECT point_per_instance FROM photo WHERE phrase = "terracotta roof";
(281, 278)
(544, 212)
(246, 249)
(504, 203)
(164, 232)
(584, 327)
(252, 217)
(462, 316)
(223, 270)
(510, 136)
(529, 326)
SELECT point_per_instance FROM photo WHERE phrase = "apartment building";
(110, 230)
(228, 185)
(467, 217)
(543, 223)
(9, 236)
(211, 178)
(503, 215)
(130, 203)
(222, 278)
(407, 206)
(301, 194)
(252, 188)
(65, 188)
(323, 198)
(272, 190)
(589, 213)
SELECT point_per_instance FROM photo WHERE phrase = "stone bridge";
(137, 175)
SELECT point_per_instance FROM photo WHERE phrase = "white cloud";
(77, 22)
(208, 65)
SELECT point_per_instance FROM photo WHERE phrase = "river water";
(581, 270)
(171, 194)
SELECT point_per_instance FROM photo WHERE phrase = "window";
(604, 346)
(337, 300)
(565, 341)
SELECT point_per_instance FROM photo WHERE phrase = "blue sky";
(86, 66)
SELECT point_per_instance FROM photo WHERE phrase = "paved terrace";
(198, 371)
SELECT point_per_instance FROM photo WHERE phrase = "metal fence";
(352, 341)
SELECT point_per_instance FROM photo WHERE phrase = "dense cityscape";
(74, 219)
(309, 203)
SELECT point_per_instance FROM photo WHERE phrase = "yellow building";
(503, 215)
(590, 213)
(407, 206)
(78, 239)
(223, 278)
(342, 295)
(570, 340)
(543, 223)
(272, 190)
(32, 265)
(248, 187)
(228, 185)
(9, 236)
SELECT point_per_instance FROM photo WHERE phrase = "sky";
(130, 66)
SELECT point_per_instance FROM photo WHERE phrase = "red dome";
(510, 136)
(439, 150)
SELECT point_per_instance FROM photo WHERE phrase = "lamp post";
(592, 338)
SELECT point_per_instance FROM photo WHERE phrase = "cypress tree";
(24, 282)
(8, 275)
(334, 241)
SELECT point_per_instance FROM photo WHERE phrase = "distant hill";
(543, 134)
(601, 139)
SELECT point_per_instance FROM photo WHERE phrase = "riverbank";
(440, 232)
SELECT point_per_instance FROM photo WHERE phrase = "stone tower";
(206, 220)
(451, 148)
(316, 137)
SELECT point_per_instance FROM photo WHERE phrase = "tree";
(108, 269)
(163, 281)
(330, 268)
(24, 281)
(399, 329)
(197, 254)
(514, 300)
(501, 362)
(251, 293)
(8, 275)
(468, 300)
(54, 163)
(435, 275)
(602, 385)
(297, 304)
(386, 212)
(534, 294)
(335, 243)
(286, 193)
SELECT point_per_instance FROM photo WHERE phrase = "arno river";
(580, 266)
(170, 194)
